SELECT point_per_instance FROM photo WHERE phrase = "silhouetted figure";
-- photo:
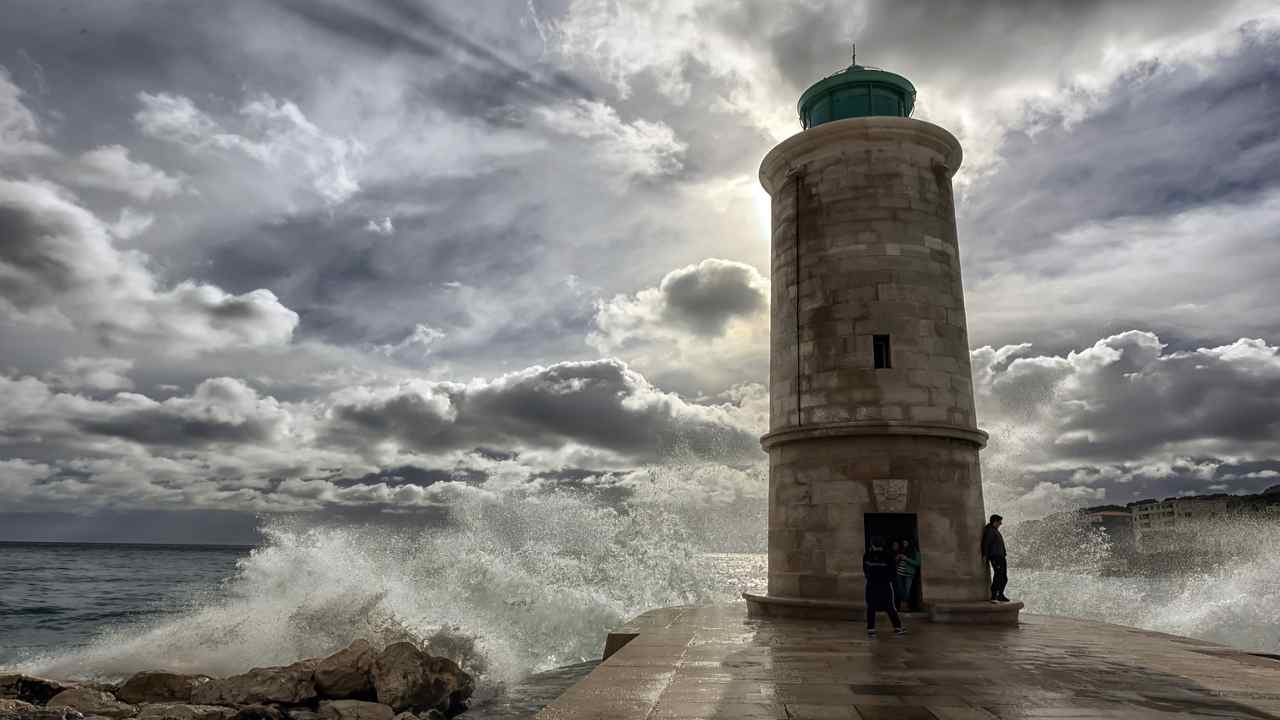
(908, 561)
(993, 552)
(879, 567)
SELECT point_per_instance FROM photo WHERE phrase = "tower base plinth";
(964, 613)
(975, 613)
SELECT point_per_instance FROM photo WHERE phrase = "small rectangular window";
(880, 348)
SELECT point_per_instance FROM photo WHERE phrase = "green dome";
(856, 91)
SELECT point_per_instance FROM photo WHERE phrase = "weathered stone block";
(817, 586)
(840, 491)
(786, 584)
(929, 414)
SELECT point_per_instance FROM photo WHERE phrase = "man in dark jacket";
(993, 552)
(879, 567)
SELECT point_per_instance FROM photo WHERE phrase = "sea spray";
(1224, 586)
(524, 580)
(529, 578)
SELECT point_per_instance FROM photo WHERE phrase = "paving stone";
(715, 662)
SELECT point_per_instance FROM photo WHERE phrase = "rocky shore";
(400, 682)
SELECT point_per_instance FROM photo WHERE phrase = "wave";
(1233, 600)
(514, 583)
(526, 580)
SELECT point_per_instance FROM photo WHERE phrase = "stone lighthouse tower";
(872, 428)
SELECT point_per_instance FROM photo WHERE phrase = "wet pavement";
(524, 699)
(715, 662)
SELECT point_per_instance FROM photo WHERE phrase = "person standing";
(878, 566)
(993, 552)
(908, 566)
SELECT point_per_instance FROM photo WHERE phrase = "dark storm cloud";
(704, 328)
(46, 249)
(360, 287)
(972, 47)
(1155, 206)
(486, 79)
(219, 411)
(1127, 416)
(1164, 138)
(706, 296)
(1220, 395)
(222, 410)
(599, 404)
(412, 475)
(56, 256)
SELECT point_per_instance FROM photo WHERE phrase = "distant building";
(1160, 525)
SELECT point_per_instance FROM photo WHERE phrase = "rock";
(258, 712)
(31, 712)
(180, 711)
(303, 714)
(406, 716)
(105, 687)
(29, 688)
(347, 673)
(406, 678)
(160, 687)
(10, 705)
(355, 710)
(288, 685)
(92, 702)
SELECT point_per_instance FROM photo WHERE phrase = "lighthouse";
(872, 429)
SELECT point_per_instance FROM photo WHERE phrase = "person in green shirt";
(908, 565)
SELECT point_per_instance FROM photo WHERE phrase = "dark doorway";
(892, 527)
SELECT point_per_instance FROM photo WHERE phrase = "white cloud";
(1043, 498)
(131, 223)
(92, 373)
(631, 41)
(415, 347)
(58, 264)
(599, 404)
(176, 119)
(638, 149)
(275, 133)
(17, 479)
(110, 168)
(380, 227)
(1124, 410)
(705, 324)
(20, 134)
(1206, 271)
(228, 446)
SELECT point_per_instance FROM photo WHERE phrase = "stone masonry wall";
(877, 255)
(819, 490)
(864, 243)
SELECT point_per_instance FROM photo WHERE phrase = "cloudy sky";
(355, 257)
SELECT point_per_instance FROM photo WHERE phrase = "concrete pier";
(715, 662)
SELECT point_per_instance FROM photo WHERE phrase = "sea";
(509, 589)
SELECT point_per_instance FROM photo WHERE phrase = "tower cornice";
(877, 428)
(791, 153)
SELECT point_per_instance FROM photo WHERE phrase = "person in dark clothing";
(993, 552)
(879, 567)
